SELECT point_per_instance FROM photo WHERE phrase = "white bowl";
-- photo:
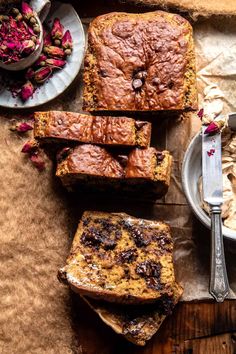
(191, 171)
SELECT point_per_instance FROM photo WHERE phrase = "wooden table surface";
(193, 328)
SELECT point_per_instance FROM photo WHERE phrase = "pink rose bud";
(57, 29)
(67, 42)
(56, 63)
(27, 91)
(30, 147)
(38, 162)
(28, 46)
(40, 60)
(212, 128)
(23, 127)
(27, 11)
(29, 74)
(42, 74)
(200, 113)
(47, 40)
(53, 51)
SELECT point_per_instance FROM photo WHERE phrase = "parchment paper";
(38, 217)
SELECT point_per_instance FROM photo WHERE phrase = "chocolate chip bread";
(119, 258)
(140, 62)
(145, 171)
(55, 126)
(136, 323)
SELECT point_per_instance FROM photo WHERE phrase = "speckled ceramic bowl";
(191, 171)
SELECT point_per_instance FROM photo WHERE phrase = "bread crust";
(140, 62)
(58, 126)
(145, 171)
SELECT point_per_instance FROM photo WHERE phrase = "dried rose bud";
(15, 11)
(41, 59)
(38, 162)
(212, 128)
(28, 46)
(68, 52)
(57, 29)
(67, 42)
(34, 39)
(53, 51)
(200, 113)
(27, 91)
(4, 18)
(47, 40)
(19, 17)
(27, 11)
(21, 127)
(42, 74)
(55, 63)
(36, 29)
(33, 20)
(31, 147)
(57, 42)
(29, 74)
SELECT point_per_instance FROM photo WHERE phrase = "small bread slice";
(59, 126)
(119, 258)
(136, 323)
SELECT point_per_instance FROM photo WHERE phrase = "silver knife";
(213, 194)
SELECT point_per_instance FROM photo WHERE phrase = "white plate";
(191, 172)
(61, 78)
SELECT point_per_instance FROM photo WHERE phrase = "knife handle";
(219, 285)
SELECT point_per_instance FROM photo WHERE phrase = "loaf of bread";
(119, 258)
(55, 126)
(145, 170)
(140, 62)
(136, 323)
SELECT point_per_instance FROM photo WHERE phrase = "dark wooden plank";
(189, 328)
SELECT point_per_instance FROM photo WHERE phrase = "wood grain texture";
(193, 328)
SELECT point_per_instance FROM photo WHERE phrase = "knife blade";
(213, 194)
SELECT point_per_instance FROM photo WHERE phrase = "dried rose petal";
(211, 152)
(200, 113)
(27, 11)
(56, 63)
(212, 128)
(38, 162)
(40, 60)
(67, 42)
(42, 74)
(53, 51)
(27, 91)
(57, 29)
(21, 127)
(47, 40)
(30, 147)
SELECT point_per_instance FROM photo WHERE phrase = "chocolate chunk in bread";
(107, 263)
(55, 126)
(140, 62)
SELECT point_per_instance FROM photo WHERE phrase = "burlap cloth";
(38, 219)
